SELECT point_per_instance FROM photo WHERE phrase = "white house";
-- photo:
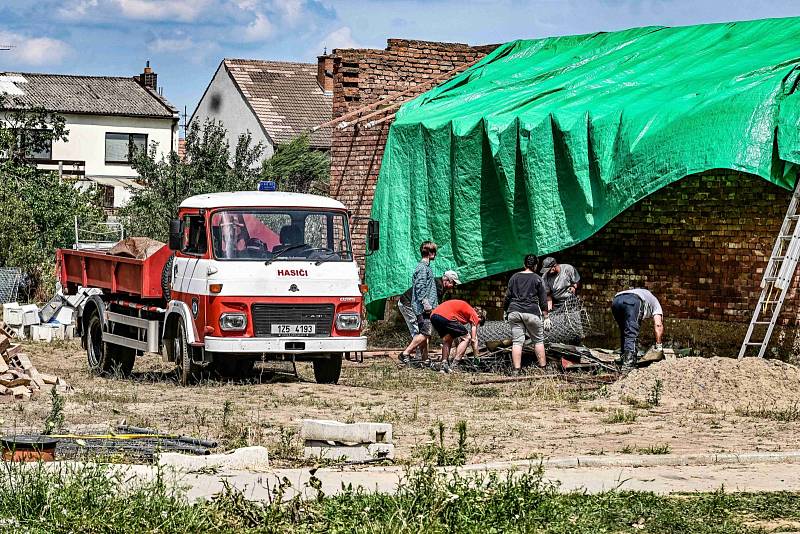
(274, 101)
(104, 116)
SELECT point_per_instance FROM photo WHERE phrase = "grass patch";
(620, 416)
(787, 415)
(97, 499)
(662, 448)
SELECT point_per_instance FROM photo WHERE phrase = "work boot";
(628, 361)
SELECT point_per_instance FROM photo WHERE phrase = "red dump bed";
(114, 274)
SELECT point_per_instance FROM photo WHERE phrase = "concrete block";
(65, 315)
(30, 315)
(244, 459)
(20, 392)
(12, 314)
(69, 331)
(50, 309)
(47, 332)
(325, 430)
(350, 453)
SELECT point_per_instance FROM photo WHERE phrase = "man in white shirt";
(630, 308)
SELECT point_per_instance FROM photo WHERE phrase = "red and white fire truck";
(247, 276)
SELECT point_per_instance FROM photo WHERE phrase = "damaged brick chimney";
(325, 72)
(148, 78)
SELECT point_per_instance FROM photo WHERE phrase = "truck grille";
(265, 315)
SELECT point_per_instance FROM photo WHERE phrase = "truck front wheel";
(328, 370)
(188, 371)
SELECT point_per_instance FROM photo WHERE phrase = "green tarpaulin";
(543, 142)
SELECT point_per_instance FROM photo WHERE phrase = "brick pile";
(18, 377)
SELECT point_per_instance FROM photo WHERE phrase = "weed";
(627, 449)
(288, 447)
(654, 397)
(663, 448)
(437, 453)
(621, 416)
(227, 411)
(54, 422)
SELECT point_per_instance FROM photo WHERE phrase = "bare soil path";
(505, 421)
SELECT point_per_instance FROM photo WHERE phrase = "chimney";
(325, 72)
(148, 78)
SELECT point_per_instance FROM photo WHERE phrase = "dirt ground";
(504, 421)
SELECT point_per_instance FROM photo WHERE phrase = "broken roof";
(92, 95)
(285, 97)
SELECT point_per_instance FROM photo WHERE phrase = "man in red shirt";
(450, 319)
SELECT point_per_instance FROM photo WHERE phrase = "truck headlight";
(232, 321)
(348, 321)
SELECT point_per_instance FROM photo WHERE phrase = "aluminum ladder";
(776, 281)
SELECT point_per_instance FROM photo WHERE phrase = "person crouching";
(450, 319)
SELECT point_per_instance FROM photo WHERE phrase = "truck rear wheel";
(188, 371)
(328, 370)
(103, 358)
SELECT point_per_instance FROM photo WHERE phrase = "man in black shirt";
(443, 285)
(526, 310)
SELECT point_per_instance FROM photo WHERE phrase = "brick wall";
(361, 77)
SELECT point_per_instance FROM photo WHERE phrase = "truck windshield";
(287, 234)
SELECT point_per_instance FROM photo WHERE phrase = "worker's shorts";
(424, 325)
(448, 327)
(410, 317)
(526, 322)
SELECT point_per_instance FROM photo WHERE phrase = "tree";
(295, 166)
(208, 167)
(37, 208)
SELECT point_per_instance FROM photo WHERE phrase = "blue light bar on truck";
(267, 185)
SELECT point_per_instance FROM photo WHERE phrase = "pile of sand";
(726, 384)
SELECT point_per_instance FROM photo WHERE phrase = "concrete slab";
(326, 430)
(352, 453)
(244, 459)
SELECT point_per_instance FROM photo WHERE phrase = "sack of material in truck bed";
(136, 247)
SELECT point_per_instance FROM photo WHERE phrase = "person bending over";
(451, 319)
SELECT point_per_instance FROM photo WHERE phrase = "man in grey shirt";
(630, 308)
(560, 280)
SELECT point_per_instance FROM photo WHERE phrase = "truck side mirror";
(373, 235)
(175, 234)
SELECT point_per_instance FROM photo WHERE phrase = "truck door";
(189, 271)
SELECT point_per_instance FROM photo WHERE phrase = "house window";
(36, 144)
(119, 146)
(107, 192)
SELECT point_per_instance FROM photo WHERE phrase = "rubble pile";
(18, 377)
(722, 384)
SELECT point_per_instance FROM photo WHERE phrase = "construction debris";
(18, 376)
(355, 443)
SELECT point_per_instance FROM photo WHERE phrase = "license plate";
(294, 329)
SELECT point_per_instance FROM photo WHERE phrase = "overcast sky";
(186, 39)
